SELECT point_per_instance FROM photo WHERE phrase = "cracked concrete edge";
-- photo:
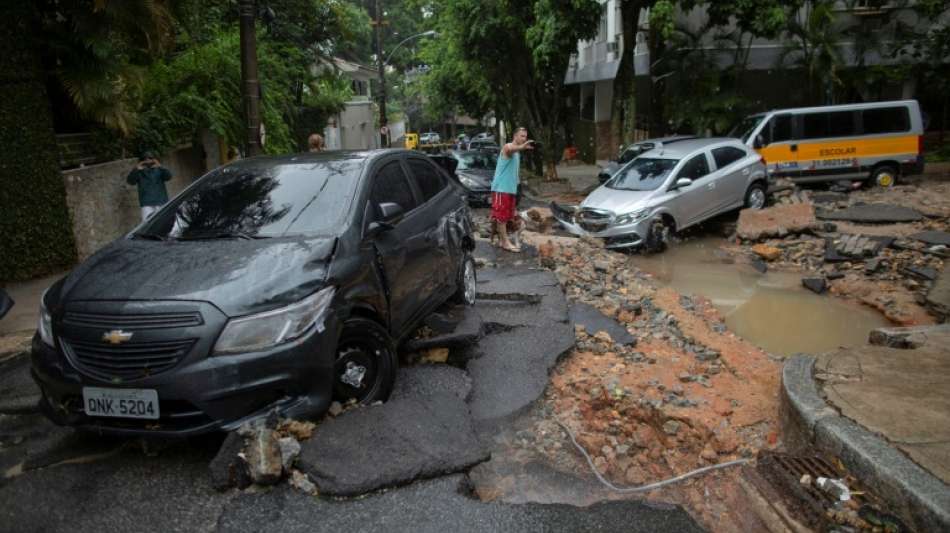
(917, 495)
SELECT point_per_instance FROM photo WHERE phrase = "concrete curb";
(918, 496)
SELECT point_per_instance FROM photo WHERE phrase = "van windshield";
(744, 128)
(642, 174)
(260, 199)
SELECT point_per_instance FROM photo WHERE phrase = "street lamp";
(382, 72)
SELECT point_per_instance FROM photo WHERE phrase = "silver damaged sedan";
(668, 189)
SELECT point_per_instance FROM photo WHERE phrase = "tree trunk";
(657, 85)
(622, 113)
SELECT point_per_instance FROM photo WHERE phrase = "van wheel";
(755, 197)
(466, 283)
(366, 364)
(657, 236)
(885, 176)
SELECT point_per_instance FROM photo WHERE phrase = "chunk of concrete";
(815, 284)
(932, 237)
(263, 457)
(911, 337)
(776, 221)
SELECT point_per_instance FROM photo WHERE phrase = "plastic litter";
(835, 487)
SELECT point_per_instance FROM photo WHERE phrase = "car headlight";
(468, 182)
(45, 325)
(264, 330)
(630, 218)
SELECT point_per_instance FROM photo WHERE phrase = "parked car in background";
(475, 170)
(633, 150)
(875, 141)
(484, 145)
(485, 136)
(668, 189)
(273, 283)
(430, 138)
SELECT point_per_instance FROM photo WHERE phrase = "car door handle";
(745, 172)
(711, 186)
(793, 147)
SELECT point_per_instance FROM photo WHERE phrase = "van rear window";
(886, 120)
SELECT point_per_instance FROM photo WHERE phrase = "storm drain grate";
(786, 471)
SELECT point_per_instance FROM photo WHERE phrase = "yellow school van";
(409, 141)
(877, 141)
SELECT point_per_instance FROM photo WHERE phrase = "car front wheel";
(755, 196)
(657, 237)
(366, 363)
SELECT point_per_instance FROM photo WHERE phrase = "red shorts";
(503, 206)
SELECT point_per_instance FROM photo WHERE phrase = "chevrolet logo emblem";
(116, 336)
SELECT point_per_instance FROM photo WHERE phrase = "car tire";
(755, 196)
(366, 362)
(466, 281)
(657, 237)
(884, 176)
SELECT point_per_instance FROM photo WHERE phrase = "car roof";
(670, 139)
(326, 155)
(684, 148)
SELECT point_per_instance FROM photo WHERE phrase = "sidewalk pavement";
(26, 297)
(884, 410)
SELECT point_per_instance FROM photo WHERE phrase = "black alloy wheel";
(366, 364)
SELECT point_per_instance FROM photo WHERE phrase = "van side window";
(781, 128)
(841, 124)
(726, 155)
(695, 168)
(885, 120)
(815, 125)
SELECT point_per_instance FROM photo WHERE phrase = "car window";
(885, 120)
(695, 169)
(781, 129)
(815, 125)
(427, 178)
(391, 185)
(262, 199)
(642, 174)
(726, 155)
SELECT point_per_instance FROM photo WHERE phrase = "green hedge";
(35, 227)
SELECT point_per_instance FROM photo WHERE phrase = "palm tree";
(813, 37)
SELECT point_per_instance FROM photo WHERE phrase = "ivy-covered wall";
(35, 229)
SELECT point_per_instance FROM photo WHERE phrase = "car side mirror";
(759, 142)
(5, 303)
(390, 211)
(682, 182)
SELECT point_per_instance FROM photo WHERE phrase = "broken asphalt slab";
(932, 237)
(393, 444)
(810, 423)
(424, 381)
(872, 214)
(776, 221)
(938, 298)
(463, 327)
(437, 506)
(594, 321)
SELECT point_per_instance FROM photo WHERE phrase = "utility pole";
(379, 22)
(250, 86)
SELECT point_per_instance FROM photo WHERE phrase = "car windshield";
(476, 160)
(744, 128)
(260, 200)
(642, 174)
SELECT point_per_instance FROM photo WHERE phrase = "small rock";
(289, 450)
(601, 266)
(759, 265)
(872, 266)
(300, 481)
(769, 253)
(603, 336)
(709, 453)
(831, 276)
(671, 427)
(336, 409)
(685, 378)
(815, 285)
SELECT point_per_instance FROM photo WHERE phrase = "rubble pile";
(891, 264)
(685, 393)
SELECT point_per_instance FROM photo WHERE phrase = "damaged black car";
(274, 283)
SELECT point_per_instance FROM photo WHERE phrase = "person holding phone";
(150, 177)
(504, 187)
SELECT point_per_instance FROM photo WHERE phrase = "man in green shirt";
(150, 177)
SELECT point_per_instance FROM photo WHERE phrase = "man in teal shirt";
(150, 177)
(504, 188)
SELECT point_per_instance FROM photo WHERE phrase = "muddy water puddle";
(771, 310)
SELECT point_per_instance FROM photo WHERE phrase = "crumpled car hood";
(238, 276)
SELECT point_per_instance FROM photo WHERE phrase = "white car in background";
(668, 189)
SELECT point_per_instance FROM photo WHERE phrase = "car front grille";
(593, 220)
(128, 361)
(150, 321)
